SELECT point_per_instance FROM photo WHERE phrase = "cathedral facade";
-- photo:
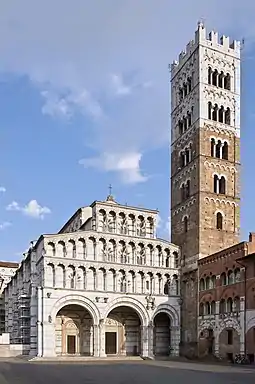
(103, 285)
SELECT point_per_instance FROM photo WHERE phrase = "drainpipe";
(245, 297)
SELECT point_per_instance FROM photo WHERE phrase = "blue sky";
(84, 102)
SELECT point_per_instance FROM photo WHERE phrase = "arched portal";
(161, 335)
(74, 331)
(229, 343)
(123, 332)
(206, 342)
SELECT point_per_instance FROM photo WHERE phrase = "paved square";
(121, 373)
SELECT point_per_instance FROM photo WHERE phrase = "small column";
(221, 146)
(175, 340)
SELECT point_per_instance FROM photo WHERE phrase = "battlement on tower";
(222, 45)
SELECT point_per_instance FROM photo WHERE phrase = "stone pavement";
(17, 371)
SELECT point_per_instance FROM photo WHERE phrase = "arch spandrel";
(170, 311)
(131, 303)
(77, 300)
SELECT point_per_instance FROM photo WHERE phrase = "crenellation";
(212, 41)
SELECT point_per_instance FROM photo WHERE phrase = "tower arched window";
(219, 220)
(185, 89)
(227, 116)
(225, 151)
(180, 124)
(209, 110)
(182, 160)
(187, 155)
(215, 183)
(189, 83)
(218, 150)
(189, 119)
(215, 113)
(227, 82)
(185, 123)
(221, 79)
(215, 77)
(222, 185)
(221, 114)
(212, 147)
(180, 94)
(209, 75)
(182, 192)
(188, 189)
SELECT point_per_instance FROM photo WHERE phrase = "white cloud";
(121, 88)
(2, 189)
(32, 209)
(67, 104)
(4, 225)
(133, 40)
(126, 164)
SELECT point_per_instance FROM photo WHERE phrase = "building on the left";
(103, 285)
(7, 271)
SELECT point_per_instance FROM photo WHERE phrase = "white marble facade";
(104, 285)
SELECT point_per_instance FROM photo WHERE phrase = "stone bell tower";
(205, 158)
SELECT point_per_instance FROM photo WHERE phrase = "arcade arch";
(123, 332)
(74, 331)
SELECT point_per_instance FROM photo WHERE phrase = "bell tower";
(205, 157)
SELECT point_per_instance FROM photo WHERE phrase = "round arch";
(251, 324)
(170, 311)
(128, 302)
(78, 300)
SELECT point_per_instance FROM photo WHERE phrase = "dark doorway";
(110, 343)
(71, 344)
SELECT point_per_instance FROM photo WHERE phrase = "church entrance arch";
(161, 334)
(123, 332)
(206, 342)
(74, 331)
